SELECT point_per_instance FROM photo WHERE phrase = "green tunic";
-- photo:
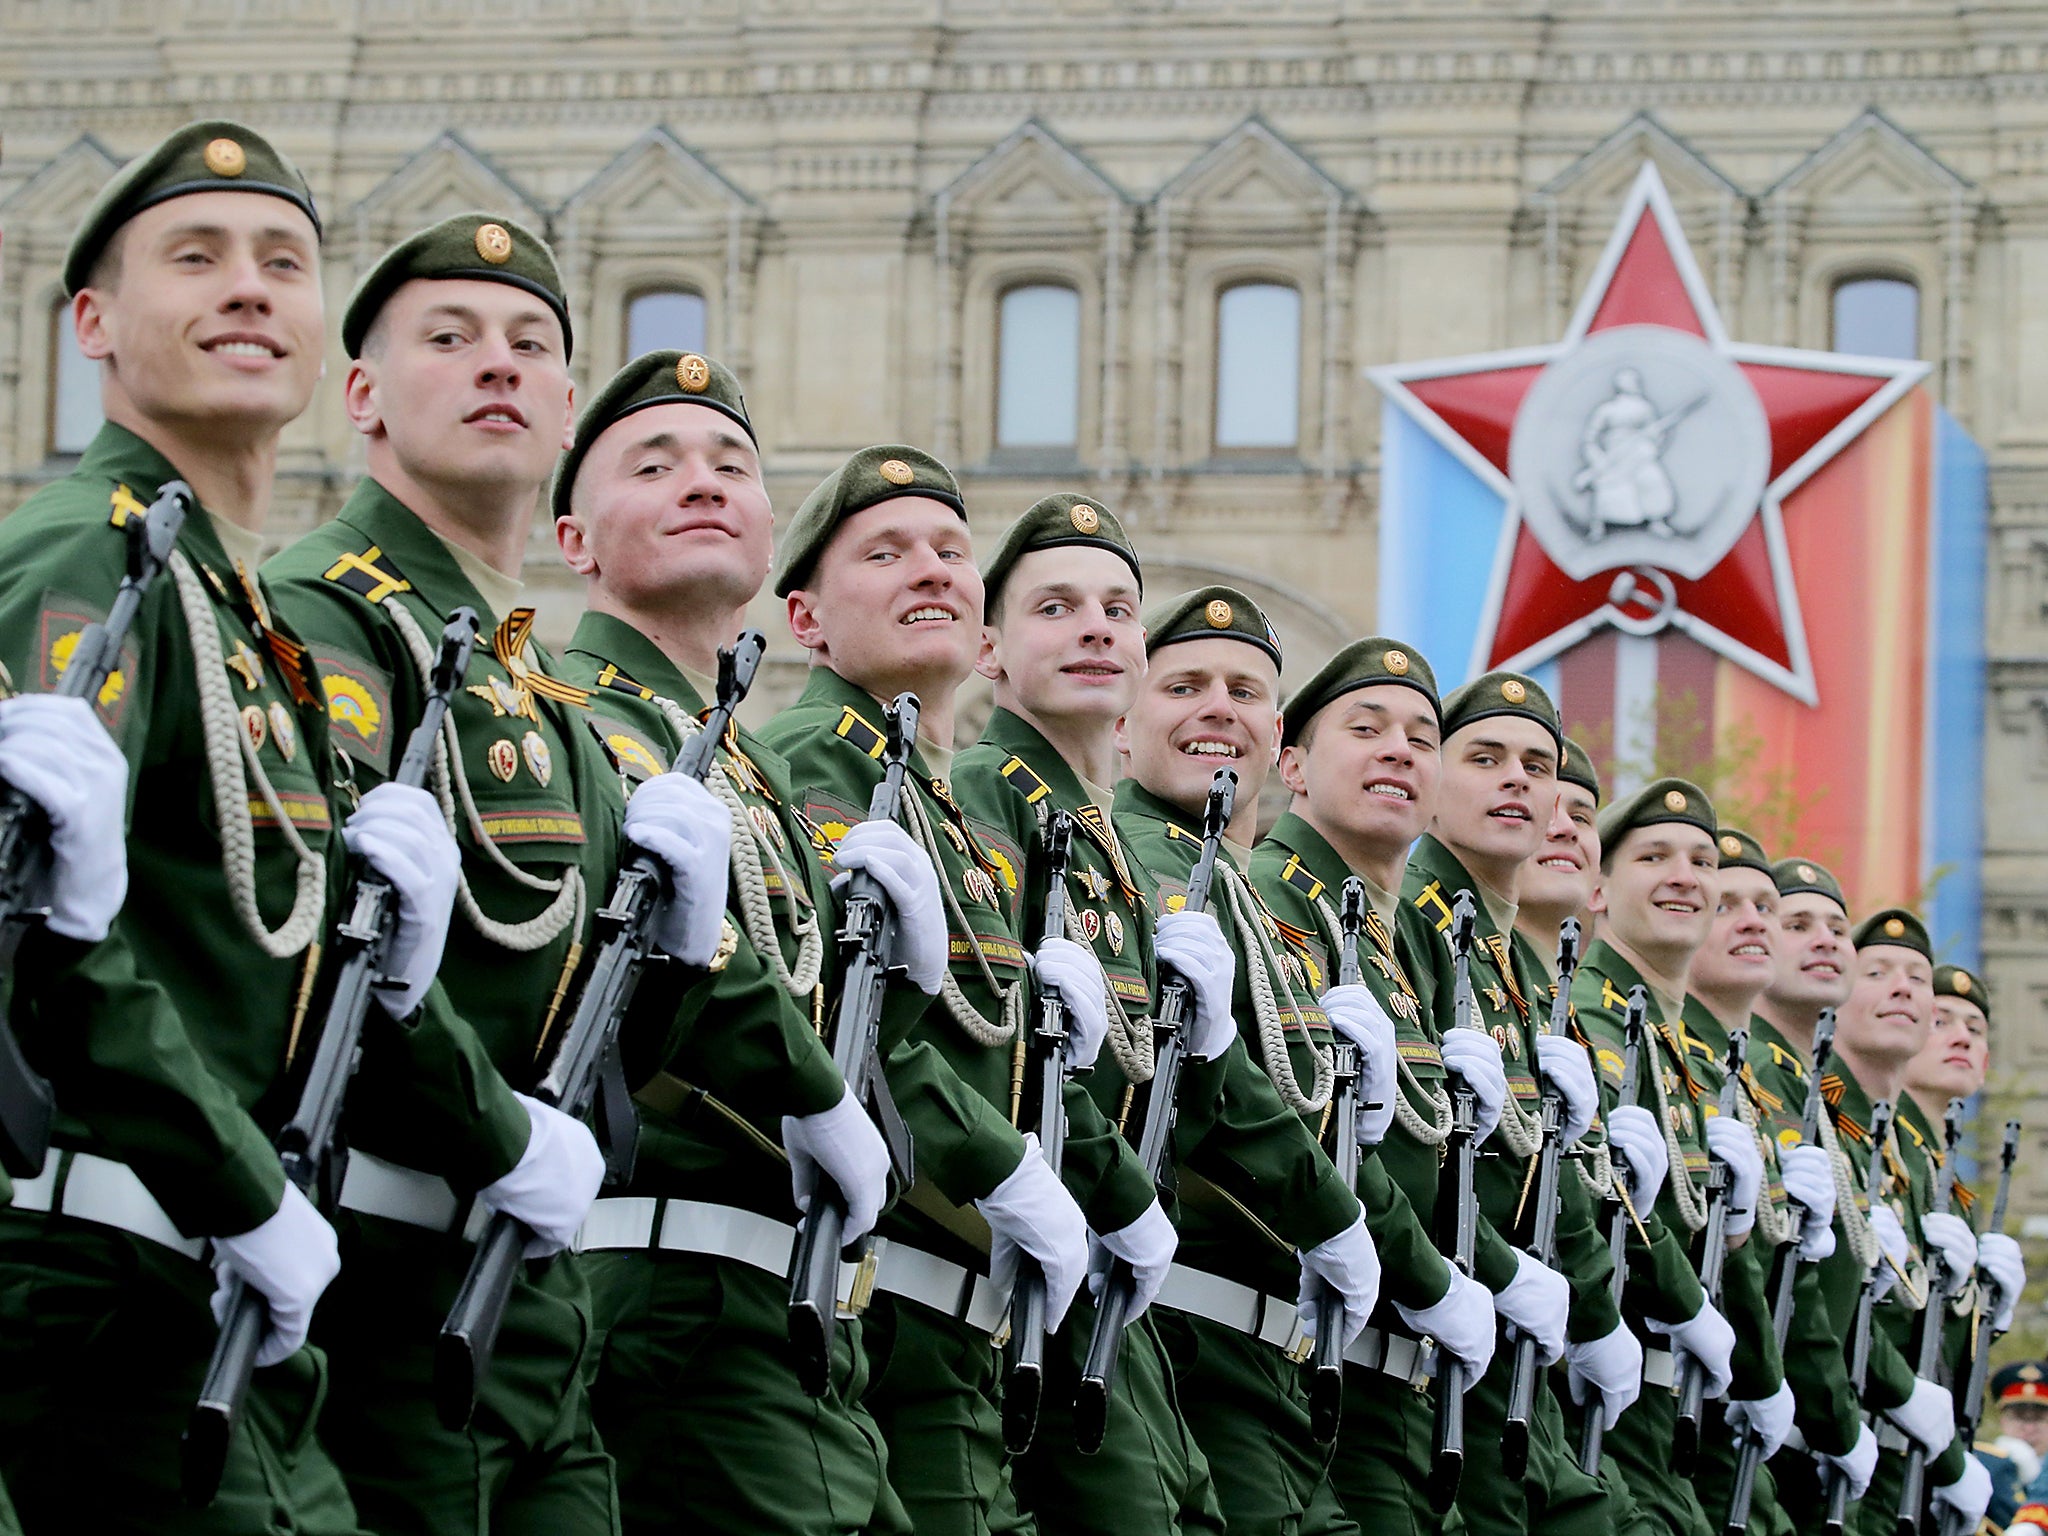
(1507, 979)
(688, 1338)
(1266, 1190)
(545, 815)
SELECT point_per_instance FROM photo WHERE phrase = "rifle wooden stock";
(1834, 1481)
(1120, 1286)
(1635, 1026)
(462, 1354)
(26, 1103)
(306, 1145)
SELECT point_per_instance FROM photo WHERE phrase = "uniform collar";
(1604, 960)
(1012, 733)
(1300, 838)
(826, 687)
(414, 549)
(608, 639)
(1433, 861)
(1134, 799)
(119, 455)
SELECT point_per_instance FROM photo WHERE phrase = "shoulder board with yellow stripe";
(122, 506)
(370, 575)
(1018, 775)
(1919, 1140)
(1431, 899)
(1787, 1061)
(1610, 996)
(611, 677)
(1298, 877)
(857, 733)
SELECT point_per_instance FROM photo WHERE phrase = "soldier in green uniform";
(459, 386)
(1269, 1219)
(1558, 882)
(1063, 644)
(1500, 765)
(1652, 906)
(1881, 1027)
(1361, 754)
(879, 577)
(172, 1040)
(660, 507)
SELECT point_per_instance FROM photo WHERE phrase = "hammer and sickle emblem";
(1642, 600)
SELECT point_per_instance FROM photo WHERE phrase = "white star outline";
(1900, 376)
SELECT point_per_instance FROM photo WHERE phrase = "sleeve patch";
(63, 620)
(358, 707)
(638, 758)
(543, 824)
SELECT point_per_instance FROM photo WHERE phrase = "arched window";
(74, 388)
(663, 318)
(1258, 366)
(1877, 317)
(1038, 368)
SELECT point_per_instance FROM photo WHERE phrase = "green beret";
(213, 156)
(1741, 851)
(476, 247)
(655, 378)
(1659, 802)
(1501, 693)
(871, 477)
(1211, 613)
(1954, 981)
(1895, 927)
(1577, 768)
(1796, 876)
(1054, 522)
(1361, 664)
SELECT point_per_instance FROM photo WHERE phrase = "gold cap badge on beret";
(1674, 800)
(1513, 691)
(1963, 983)
(693, 374)
(896, 472)
(224, 157)
(1806, 872)
(1396, 662)
(1731, 846)
(1894, 928)
(1084, 518)
(1218, 614)
(494, 243)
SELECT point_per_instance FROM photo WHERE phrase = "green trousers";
(1715, 1481)
(1381, 1465)
(1878, 1513)
(936, 1395)
(1150, 1476)
(1245, 1403)
(529, 1462)
(694, 1394)
(1553, 1496)
(1642, 1446)
(103, 1340)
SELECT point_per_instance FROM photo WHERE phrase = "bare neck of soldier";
(1500, 881)
(936, 698)
(1795, 1021)
(1663, 974)
(1085, 743)
(1383, 863)
(1731, 1010)
(1932, 1101)
(1882, 1075)
(1539, 925)
(492, 519)
(688, 629)
(230, 465)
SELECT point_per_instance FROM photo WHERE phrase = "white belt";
(1237, 1307)
(961, 1293)
(101, 1190)
(1393, 1353)
(376, 1187)
(1659, 1369)
(641, 1222)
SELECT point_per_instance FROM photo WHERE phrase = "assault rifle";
(586, 1057)
(1447, 1437)
(1514, 1444)
(309, 1143)
(26, 1104)
(1326, 1380)
(1942, 1286)
(1691, 1387)
(1991, 1301)
(1176, 996)
(1833, 1479)
(1635, 1025)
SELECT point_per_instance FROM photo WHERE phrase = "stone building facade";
(845, 198)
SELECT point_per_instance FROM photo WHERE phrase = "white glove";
(1073, 972)
(1463, 1323)
(400, 833)
(1612, 1366)
(1193, 946)
(1735, 1144)
(1857, 1463)
(1998, 1258)
(1350, 1265)
(56, 752)
(1475, 1056)
(910, 880)
(1147, 1245)
(688, 831)
(1357, 1015)
(290, 1258)
(1969, 1495)
(1536, 1302)
(1891, 1241)
(1707, 1337)
(551, 1186)
(1031, 1212)
(1928, 1416)
(841, 1144)
(1958, 1244)
(1809, 1177)
(1567, 1068)
(1632, 1131)
(1770, 1417)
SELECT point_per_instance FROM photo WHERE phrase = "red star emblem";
(1645, 460)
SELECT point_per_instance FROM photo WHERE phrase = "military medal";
(1091, 923)
(540, 762)
(503, 759)
(1113, 925)
(979, 885)
(247, 665)
(283, 732)
(255, 727)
